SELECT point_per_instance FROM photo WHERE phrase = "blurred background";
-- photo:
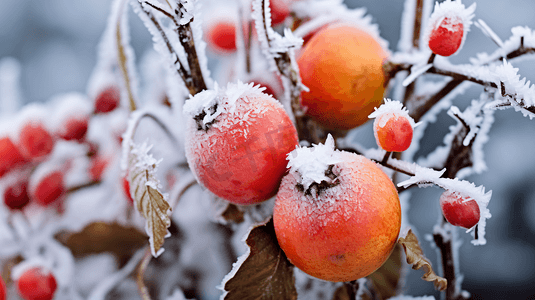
(56, 43)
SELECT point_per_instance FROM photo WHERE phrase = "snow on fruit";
(107, 100)
(344, 98)
(337, 215)
(448, 26)
(459, 210)
(16, 194)
(10, 156)
(393, 127)
(236, 142)
(47, 186)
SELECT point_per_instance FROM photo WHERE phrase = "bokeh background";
(56, 43)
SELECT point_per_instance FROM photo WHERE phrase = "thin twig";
(122, 61)
(142, 288)
(82, 186)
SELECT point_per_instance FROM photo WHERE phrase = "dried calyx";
(315, 189)
(201, 125)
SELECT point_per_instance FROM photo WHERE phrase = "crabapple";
(107, 100)
(35, 141)
(459, 210)
(97, 166)
(126, 189)
(236, 142)
(16, 194)
(337, 215)
(445, 39)
(36, 284)
(74, 129)
(393, 127)
(49, 188)
(342, 66)
(3, 293)
(221, 35)
(10, 156)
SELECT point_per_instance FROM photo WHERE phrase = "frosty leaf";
(263, 272)
(415, 257)
(149, 200)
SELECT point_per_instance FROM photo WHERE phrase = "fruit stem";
(122, 58)
(142, 288)
(386, 157)
(82, 186)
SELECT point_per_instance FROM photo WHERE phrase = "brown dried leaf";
(385, 280)
(149, 200)
(262, 273)
(415, 257)
(233, 214)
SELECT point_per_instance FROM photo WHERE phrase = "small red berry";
(279, 11)
(49, 188)
(10, 156)
(74, 129)
(35, 141)
(16, 194)
(459, 211)
(445, 39)
(126, 189)
(221, 35)
(108, 100)
(3, 293)
(393, 127)
(36, 284)
(97, 167)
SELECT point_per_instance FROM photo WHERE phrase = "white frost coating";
(194, 8)
(33, 113)
(519, 92)
(323, 12)
(225, 98)
(393, 108)
(311, 163)
(416, 71)
(130, 80)
(69, 106)
(456, 12)
(34, 262)
(407, 25)
(10, 92)
(424, 177)
(261, 33)
(283, 44)
(489, 32)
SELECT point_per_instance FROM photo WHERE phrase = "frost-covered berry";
(10, 156)
(16, 194)
(337, 215)
(36, 283)
(107, 100)
(47, 187)
(97, 167)
(221, 36)
(459, 210)
(35, 141)
(75, 129)
(237, 139)
(71, 116)
(448, 26)
(393, 127)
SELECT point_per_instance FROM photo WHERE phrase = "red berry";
(237, 144)
(108, 100)
(445, 39)
(10, 156)
(222, 36)
(74, 129)
(36, 284)
(49, 188)
(3, 293)
(97, 166)
(126, 189)
(279, 11)
(16, 194)
(393, 133)
(459, 212)
(35, 141)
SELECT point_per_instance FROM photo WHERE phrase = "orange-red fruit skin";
(49, 189)
(245, 163)
(458, 213)
(35, 285)
(395, 135)
(108, 100)
(3, 293)
(222, 36)
(343, 68)
(445, 42)
(35, 141)
(126, 189)
(10, 156)
(344, 237)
